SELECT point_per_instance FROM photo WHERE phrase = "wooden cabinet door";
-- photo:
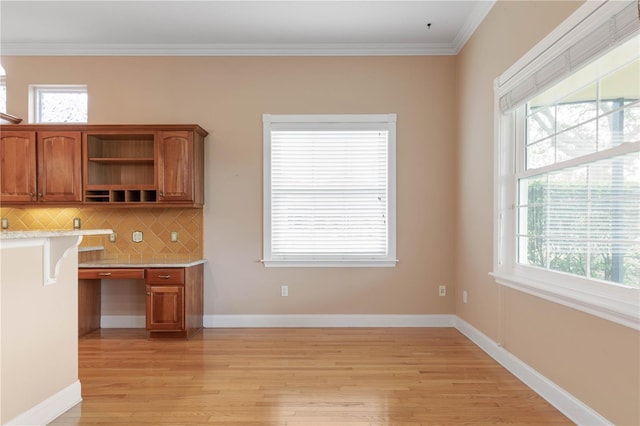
(59, 167)
(175, 166)
(17, 167)
(165, 307)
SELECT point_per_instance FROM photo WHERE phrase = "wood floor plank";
(299, 376)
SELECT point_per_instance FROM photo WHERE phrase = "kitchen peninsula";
(38, 317)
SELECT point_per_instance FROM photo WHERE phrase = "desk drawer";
(165, 276)
(110, 273)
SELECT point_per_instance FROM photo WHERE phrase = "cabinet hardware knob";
(40, 194)
(148, 293)
(164, 277)
(161, 194)
(31, 194)
(104, 274)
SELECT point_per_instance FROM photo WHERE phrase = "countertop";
(43, 233)
(144, 263)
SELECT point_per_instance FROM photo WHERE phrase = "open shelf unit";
(120, 168)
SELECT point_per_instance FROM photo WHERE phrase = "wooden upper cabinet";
(17, 167)
(134, 165)
(175, 166)
(59, 167)
(41, 167)
(180, 167)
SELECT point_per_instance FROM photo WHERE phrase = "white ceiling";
(238, 27)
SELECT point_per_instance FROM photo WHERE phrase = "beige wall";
(445, 150)
(39, 330)
(596, 360)
(227, 96)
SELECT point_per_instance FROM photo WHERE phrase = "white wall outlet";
(77, 223)
(442, 290)
(174, 236)
(464, 296)
(284, 290)
(136, 236)
(5, 223)
(113, 237)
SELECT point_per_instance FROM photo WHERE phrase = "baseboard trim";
(123, 321)
(259, 321)
(50, 408)
(567, 404)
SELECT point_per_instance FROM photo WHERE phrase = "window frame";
(35, 107)
(3, 87)
(617, 303)
(297, 120)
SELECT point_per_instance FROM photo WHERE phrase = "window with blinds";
(329, 190)
(567, 165)
(579, 183)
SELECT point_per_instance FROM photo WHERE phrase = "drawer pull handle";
(164, 277)
(104, 274)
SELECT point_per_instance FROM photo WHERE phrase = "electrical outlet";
(284, 291)
(137, 236)
(5, 223)
(174, 236)
(113, 237)
(442, 290)
(77, 223)
(464, 296)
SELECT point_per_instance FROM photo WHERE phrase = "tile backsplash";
(156, 225)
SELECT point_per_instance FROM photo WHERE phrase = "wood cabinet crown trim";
(103, 127)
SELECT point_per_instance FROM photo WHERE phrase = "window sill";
(309, 263)
(623, 309)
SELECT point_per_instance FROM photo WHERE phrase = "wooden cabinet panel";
(41, 167)
(168, 287)
(165, 307)
(89, 309)
(175, 166)
(165, 276)
(17, 167)
(110, 273)
(59, 167)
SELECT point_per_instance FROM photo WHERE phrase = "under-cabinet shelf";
(121, 160)
(115, 196)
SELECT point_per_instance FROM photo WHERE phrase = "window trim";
(389, 121)
(34, 99)
(609, 301)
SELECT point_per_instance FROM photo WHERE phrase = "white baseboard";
(567, 404)
(123, 321)
(238, 321)
(50, 408)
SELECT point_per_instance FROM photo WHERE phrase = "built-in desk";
(174, 294)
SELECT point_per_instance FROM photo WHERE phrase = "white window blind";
(605, 32)
(329, 190)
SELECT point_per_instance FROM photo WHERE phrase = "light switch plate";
(174, 236)
(136, 236)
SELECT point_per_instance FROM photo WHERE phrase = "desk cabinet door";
(165, 307)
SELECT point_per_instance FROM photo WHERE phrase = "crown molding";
(365, 49)
(479, 12)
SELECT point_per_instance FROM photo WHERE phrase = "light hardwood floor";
(299, 376)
